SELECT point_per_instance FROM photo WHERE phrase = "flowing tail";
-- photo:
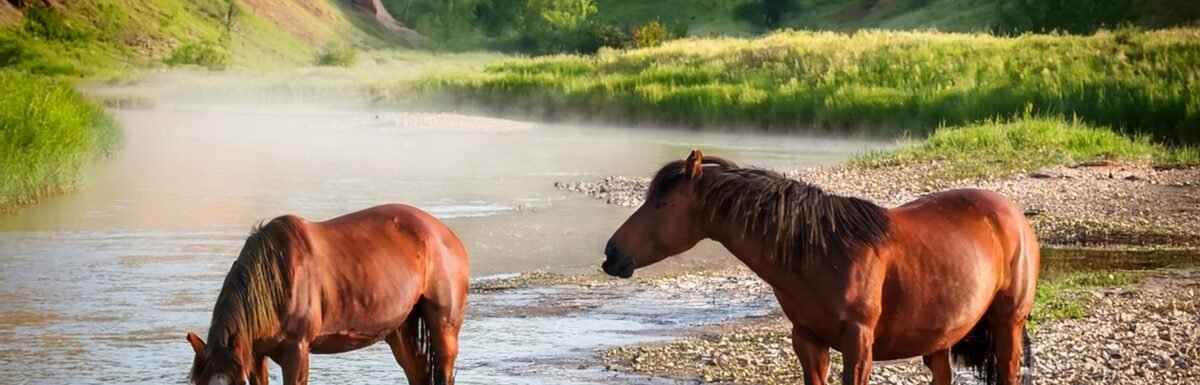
(978, 352)
(425, 344)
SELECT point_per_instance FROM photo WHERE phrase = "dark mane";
(256, 285)
(797, 220)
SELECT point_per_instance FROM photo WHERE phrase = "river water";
(101, 285)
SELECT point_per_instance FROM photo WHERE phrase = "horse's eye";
(660, 204)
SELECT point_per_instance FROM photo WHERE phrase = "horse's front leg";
(939, 364)
(813, 355)
(294, 362)
(856, 353)
(258, 372)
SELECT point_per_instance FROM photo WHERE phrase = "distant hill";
(89, 36)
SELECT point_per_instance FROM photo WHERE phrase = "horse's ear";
(693, 165)
(197, 343)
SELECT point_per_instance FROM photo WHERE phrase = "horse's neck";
(754, 256)
(751, 252)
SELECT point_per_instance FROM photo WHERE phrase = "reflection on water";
(1056, 261)
(100, 286)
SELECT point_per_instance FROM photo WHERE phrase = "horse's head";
(668, 223)
(218, 365)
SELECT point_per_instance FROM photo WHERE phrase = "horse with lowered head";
(390, 272)
(951, 273)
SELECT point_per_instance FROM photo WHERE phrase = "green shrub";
(205, 54)
(47, 23)
(48, 131)
(651, 34)
(337, 56)
(765, 13)
(606, 35)
(551, 26)
(1072, 16)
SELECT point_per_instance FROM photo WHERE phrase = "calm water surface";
(100, 286)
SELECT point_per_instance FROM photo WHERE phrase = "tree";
(497, 16)
(555, 25)
(554, 16)
(449, 22)
(766, 13)
(1072, 16)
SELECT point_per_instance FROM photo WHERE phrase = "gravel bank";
(1145, 335)
(1091, 204)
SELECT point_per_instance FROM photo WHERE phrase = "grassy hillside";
(106, 37)
(888, 82)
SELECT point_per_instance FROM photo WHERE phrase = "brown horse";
(952, 272)
(390, 272)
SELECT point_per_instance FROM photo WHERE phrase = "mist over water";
(100, 285)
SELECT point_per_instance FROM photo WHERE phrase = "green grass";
(875, 81)
(338, 56)
(1003, 148)
(48, 132)
(1055, 298)
(205, 54)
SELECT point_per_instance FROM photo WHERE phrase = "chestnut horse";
(390, 272)
(951, 273)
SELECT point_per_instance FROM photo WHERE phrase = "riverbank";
(1133, 335)
(880, 82)
(48, 132)
(1103, 323)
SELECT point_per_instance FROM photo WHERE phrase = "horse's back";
(979, 225)
(368, 269)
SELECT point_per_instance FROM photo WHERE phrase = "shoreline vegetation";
(879, 82)
(48, 133)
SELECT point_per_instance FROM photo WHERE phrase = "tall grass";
(1001, 148)
(48, 132)
(881, 81)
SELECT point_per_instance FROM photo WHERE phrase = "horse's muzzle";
(616, 263)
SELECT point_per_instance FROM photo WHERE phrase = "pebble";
(1147, 338)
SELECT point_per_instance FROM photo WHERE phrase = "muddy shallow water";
(100, 286)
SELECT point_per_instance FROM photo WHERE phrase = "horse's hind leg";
(1008, 329)
(939, 363)
(406, 347)
(444, 323)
